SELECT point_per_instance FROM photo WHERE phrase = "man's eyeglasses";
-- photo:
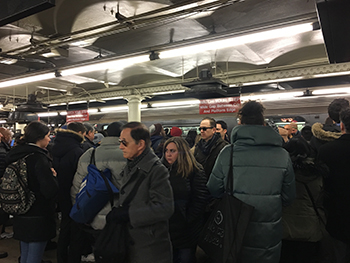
(123, 142)
(204, 128)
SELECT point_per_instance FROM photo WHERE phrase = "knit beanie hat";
(175, 131)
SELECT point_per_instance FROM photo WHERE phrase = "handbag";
(223, 233)
(95, 191)
(112, 243)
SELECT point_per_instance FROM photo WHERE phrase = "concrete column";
(134, 104)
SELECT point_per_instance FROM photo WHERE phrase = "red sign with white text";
(222, 105)
(77, 115)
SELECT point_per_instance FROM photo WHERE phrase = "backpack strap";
(109, 188)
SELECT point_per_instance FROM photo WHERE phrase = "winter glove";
(119, 215)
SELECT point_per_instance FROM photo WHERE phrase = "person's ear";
(141, 144)
(342, 127)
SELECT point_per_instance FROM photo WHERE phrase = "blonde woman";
(188, 180)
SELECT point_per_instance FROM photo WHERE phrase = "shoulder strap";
(134, 190)
(109, 188)
(229, 182)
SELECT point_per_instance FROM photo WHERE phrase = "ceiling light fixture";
(47, 114)
(265, 82)
(238, 40)
(168, 92)
(25, 80)
(272, 96)
(175, 103)
(331, 91)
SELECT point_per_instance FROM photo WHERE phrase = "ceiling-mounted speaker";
(11, 11)
(335, 25)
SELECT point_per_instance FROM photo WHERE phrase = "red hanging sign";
(222, 105)
(77, 115)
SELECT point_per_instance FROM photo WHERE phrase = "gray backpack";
(15, 196)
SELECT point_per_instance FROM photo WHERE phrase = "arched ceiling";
(89, 31)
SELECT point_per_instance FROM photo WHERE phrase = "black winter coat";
(190, 199)
(4, 149)
(38, 224)
(66, 153)
(208, 161)
(336, 156)
(87, 144)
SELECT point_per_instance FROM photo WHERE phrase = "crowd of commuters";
(296, 180)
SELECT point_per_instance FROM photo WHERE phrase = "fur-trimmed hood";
(321, 134)
(65, 141)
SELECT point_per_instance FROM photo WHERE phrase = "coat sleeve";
(288, 187)
(80, 174)
(48, 184)
(159, 206)
(216, 182)
(199, 196)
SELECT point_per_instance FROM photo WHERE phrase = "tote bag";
(223, 233)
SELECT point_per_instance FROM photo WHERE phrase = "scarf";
(205, 147)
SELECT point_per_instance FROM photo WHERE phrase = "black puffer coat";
(38, 224)
(190, 199)
(4, 149)
(66, 153)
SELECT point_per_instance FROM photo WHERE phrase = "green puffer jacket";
(263, 178)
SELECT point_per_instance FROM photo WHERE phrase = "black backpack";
(15, 196)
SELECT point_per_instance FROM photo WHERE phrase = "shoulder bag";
(223, 233)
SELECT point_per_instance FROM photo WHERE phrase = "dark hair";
(335, 108)
(251, 112)
(298, 147)
(191, 137)
(211, 121)
(34, 131)
(114, 129)
(88, 127)
(345, 119)
(306, 133)
(139, 131)
(223, 124)
(77, 127)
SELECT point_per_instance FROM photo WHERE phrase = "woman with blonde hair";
(188, 182)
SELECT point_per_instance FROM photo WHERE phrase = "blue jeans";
(32, 252)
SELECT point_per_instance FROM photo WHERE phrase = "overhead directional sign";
(77, 115)
(222, 105)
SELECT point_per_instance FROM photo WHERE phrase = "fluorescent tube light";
(63, 113)
(2, 121)
(272, 96)
(330, 91)
(117, 108)
(25, 80)
(47, 114)
(175, 103)
(112, 98)
(237, 40)
(168, 92)
(266, 81)
(114, 64)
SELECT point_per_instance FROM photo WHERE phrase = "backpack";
(15, 196)
(96, 190)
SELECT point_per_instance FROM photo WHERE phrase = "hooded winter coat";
(66, 153)
(38, 224)
(263, 178)
(323, 134)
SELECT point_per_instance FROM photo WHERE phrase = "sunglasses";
(205, 128)
(123, 142)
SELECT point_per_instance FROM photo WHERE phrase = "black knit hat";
(114, 129)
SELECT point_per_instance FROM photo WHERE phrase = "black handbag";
(223, 233)
(112, 243)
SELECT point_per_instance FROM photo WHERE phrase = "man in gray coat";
(152, 206)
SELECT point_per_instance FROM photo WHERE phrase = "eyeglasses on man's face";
(125, 143)
(205, 128)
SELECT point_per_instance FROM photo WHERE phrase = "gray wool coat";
(149, 210)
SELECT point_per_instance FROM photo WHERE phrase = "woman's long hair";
(35, 131)
(186, 162)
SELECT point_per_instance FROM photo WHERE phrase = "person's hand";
(53, 172)
(119, 215)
